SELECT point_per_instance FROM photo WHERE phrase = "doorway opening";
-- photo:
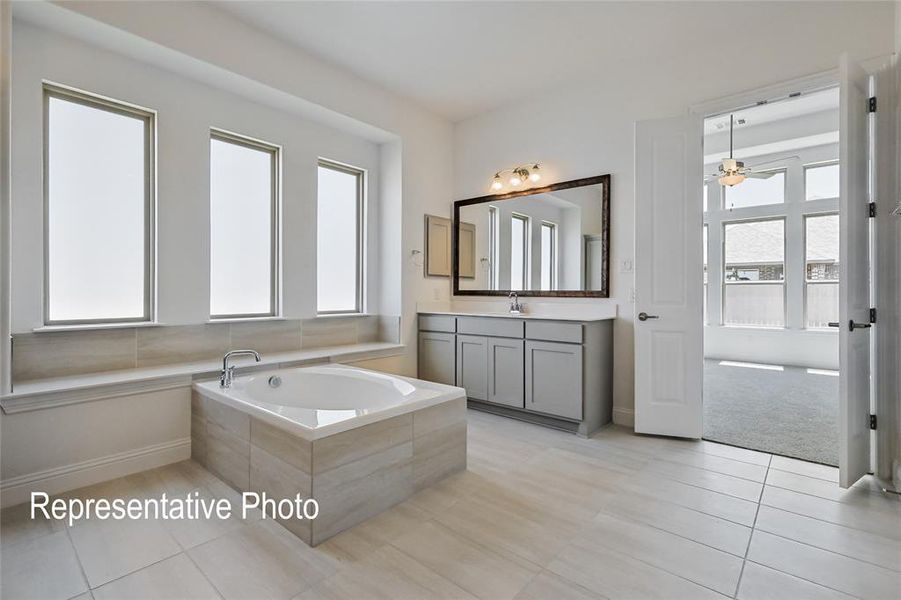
(771, 278)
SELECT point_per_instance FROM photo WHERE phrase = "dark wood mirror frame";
(604, 292)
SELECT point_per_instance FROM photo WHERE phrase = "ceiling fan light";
(731, 179)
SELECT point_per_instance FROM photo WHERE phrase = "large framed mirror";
(548, 241)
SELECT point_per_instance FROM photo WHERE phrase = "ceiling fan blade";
(768, 162)
(752, 175)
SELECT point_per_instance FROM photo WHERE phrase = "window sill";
(343, 315)
(95, 326)
(247, 319)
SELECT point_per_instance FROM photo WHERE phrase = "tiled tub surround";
(355, 468)
(50, 354)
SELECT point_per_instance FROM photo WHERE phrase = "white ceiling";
(788, 108)
(463, 58)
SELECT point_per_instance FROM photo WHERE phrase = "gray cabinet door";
(505, 372)
(472, 365)
(436, 357)
(554, 379)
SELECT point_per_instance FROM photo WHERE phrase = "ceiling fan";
(731, 172)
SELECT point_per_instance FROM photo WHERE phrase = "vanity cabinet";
(437, 357)
(553, 378)
(472, 365)
(505, 372)
(553, 372)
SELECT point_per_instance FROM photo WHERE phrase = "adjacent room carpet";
(792, 412)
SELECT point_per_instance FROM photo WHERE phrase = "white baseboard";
(16, 490)
(624, 417)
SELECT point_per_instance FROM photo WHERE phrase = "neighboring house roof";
(760, 242)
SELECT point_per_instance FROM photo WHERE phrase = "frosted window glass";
(821, 182)
(517, 253)
(241, 208)
(757, 192)
(97, 201)
(337, 241)
(547, 256)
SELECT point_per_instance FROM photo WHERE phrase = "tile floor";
(538, 514)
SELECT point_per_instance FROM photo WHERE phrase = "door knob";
(643, 316)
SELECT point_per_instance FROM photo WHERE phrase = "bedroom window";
(754, 274)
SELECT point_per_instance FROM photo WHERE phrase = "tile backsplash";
(65, 353)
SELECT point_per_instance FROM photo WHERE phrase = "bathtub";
(356, 441)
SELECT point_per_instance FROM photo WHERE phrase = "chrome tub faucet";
(228, 372)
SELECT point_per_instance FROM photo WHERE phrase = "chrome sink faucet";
(228, 372)
(515, 306)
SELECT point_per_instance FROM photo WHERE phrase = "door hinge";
(871, 105)
(872, 421)
(872, 209)
(872, 315)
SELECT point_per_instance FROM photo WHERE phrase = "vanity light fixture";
(518, 175)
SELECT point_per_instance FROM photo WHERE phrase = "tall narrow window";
(493, 250)
(98, 161)
(754, 273)
(243, 227)
(821, 270)
(339, 254)
(548, 256)
(519, 252)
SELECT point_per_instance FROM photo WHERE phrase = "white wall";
(186, 111)
(200, 67)
(415, 145)
(587, 129)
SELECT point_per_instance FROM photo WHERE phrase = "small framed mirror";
(548, 241)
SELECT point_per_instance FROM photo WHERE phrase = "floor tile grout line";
(811, 581)
(138, 570)
(84, 575)
(678, 535)
(460, 585)
(842, 525)
(866, 490)
(835, 481)
(659, 568)
(705, 488)
(869, 508)
(641, 492)
(203, 574)
(753, 529)
(830, 551)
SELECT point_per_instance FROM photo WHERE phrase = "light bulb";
(497, 185)
(535, 176)
(515, 180)
(731, 179)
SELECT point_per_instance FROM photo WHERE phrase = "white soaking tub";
(356, 441)
(318, 401)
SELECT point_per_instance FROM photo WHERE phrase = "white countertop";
(583, 312)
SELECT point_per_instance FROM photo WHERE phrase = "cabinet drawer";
(445, 323)
(554, 331)
(498, 327)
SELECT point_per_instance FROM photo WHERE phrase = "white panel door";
(854, 273)
(669, 358)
